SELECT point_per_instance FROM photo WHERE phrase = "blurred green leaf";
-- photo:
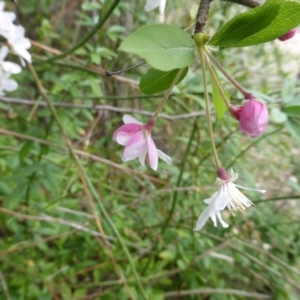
(292, 110)
(294, 128)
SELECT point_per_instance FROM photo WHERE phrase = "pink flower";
(253, 117)
(288, 35)
(137, 140)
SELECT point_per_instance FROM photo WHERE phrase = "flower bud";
(252, 116)
(288, 35)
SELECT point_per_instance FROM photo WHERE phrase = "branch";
(202, 15)
(248, 3)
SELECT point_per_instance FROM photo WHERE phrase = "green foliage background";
(50, 246)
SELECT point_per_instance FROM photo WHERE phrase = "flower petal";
(164, 157)
(162, 5)
(130, 119)
(224, 224)
(123, 133)
(142, 157)
(8, 85)
(3, 52)
(203, 218)
(11, 68)
(152, 153)
(152, 4)
(135, 146)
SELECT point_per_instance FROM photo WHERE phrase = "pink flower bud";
(253, 116)
(288, 35)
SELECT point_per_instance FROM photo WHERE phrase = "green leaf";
(294, 128)
(164, 47)
(259, 25)
(292, 111)
(219, 105)
(155, 81)
(24, 151)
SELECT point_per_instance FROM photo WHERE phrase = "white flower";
(7, 66)
(227, 195)
(6, 19)
(18, 43)
(152, 4)
(6, 84)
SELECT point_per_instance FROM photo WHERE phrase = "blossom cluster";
(252, 116)
(15, 43)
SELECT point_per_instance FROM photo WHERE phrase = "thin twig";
(4, 286)
(248, 3)
(104, 107)
(251, 295)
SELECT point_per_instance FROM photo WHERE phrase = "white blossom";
(7, 66)
(152, 4)
(6, 84)
(18, 43)
(227, 196)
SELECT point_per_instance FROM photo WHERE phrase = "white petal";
(162, 5)
(212, 198)
(8, 84)
(164, 157)
(224, 224)
(130, 119)
(11, 68)
(23, 53)
(203, 218)
(152, 4)
(3, 52)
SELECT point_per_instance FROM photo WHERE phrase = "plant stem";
(87, 182)
(206, 98)
(211, 71)
(167, 94)
(231, 79)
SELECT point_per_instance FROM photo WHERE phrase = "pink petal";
(164, 157)
(125, 132)
(152, 153)
(135, 146)
(130, 119)
(142, 157)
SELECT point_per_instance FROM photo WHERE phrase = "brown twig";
(248, 3)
